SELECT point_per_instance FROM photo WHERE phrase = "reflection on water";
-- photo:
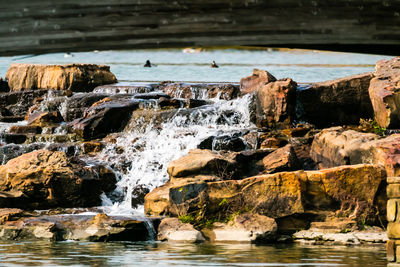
(174, 65)
(169, 254)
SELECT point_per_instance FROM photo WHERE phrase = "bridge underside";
(32, 27)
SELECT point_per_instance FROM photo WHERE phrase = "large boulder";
(44, 179)
(347, 191)
(74, 77)
(275, 103)
(253, 82)
(337, 146)
(274, 196)
(336, 102)
(384, 93)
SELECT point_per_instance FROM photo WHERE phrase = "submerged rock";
(336, 102)
(45, 179)
(74, 77)
(384, 93)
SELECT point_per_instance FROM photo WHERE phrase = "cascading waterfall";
(150, 147)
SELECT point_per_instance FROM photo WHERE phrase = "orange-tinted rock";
(50, 179)
(282, 159)
(336, 146)
(74, 77)
(275, 103)
(253, 82)
(384, 93)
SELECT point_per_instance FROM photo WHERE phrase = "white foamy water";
(150, 147)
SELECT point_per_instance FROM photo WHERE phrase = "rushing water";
(148, 146)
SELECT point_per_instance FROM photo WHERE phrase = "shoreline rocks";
(253, 184)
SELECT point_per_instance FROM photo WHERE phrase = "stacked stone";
(393, 216)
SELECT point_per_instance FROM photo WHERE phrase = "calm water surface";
(169, 254)
(174, 65)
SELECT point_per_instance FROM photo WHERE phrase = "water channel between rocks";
(140, 154)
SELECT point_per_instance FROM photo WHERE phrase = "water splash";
(149, 147)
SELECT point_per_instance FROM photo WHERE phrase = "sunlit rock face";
(42, 179)
(74, 77)
(384, 93)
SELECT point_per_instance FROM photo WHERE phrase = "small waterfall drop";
(150, 146)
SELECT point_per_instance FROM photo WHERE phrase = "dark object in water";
(148, 64)
(214, 65)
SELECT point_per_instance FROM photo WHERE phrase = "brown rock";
(44, 119)
(201, 161)
(345, 191)
(337, 146)
(25, 129)
(172, 229)
(74, 77)
(275, 103)
(272, 142)
(253, 82)
(104, 118)
(244, 228)
(282, 159)
(157, 201)
(92, 147)
(337, 102)
(73, 227)
(277, 195)
(384, 93)
(50, 179)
